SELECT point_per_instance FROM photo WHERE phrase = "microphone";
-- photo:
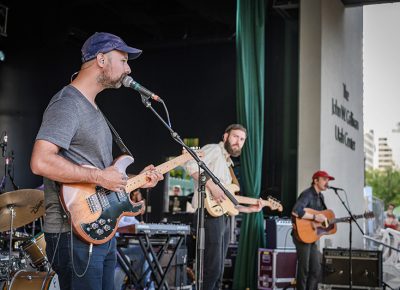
(128, 82)
(4, 144)
(335, 188)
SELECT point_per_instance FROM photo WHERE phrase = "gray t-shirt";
(80, 130)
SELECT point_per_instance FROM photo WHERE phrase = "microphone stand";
(200, 245)
(207, 172)
(8, 165)
(147, 202)
(351, 219)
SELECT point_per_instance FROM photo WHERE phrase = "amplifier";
(366, 267)
(343, 287)
(276, 268)
(177, 274)
(278, 233)
(229, 266)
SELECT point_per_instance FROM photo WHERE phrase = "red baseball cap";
(321, 173)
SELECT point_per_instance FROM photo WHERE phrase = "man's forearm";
(59, 169)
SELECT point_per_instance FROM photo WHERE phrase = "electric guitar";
(309, 231)
(94, 211)
(217, 209)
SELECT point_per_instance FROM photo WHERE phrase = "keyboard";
(156, 229)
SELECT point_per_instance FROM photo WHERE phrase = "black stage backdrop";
(188, 59)
(196, 80)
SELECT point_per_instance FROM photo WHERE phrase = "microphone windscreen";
(127, 81)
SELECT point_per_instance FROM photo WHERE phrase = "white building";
(369, 150)
(385, 154)
(331, 130)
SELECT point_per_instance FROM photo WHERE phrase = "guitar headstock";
(274, 204)
(197, 150)
(369, 215)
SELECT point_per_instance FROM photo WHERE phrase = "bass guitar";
(217, 209)
(94, 211)
(309, 231)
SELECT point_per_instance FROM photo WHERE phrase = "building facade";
(385, 154)
(369, 150)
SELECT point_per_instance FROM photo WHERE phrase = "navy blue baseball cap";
(103, 42)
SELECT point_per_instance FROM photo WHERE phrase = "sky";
(382, 73)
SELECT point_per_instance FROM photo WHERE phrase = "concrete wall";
(330, 116)
(309, 91)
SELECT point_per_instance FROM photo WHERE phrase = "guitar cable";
(64, 217)
(72, 256)
(52, 258)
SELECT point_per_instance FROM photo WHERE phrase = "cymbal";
(28, 205)
(14, 237)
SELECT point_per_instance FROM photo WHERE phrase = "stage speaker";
(366, 267)
(278, 233)
(229, 266)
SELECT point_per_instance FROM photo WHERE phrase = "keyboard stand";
(133, 279)
(153, 258)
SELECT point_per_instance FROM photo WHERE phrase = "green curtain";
(250, 38)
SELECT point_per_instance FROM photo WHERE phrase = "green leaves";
(385, 184)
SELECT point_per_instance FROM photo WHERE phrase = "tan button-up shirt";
(217, 159)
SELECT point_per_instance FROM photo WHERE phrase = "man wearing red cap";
(308, 255)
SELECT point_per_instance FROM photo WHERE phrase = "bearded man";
(217, 157)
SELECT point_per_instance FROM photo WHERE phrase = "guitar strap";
(234, 179)
(322, 200)
(117, 139)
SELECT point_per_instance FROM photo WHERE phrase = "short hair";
(235, 127)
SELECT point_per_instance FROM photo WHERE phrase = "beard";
(231, 151)
(107, 82)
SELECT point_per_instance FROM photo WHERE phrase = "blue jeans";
(100, 273)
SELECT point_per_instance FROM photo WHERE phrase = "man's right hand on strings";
(111, 179)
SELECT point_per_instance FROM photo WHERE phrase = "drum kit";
(25, 264)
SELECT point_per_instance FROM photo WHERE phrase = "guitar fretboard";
(344, 219)
(141, 179)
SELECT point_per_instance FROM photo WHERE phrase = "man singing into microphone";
(74, 133)
(308, 256)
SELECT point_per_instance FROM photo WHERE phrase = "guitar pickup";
(102, 198)
(93, 203)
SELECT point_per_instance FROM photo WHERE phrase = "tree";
(385, 184)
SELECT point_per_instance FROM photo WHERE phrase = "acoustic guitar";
(309, 231)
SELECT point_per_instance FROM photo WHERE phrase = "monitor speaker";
(278, 233)
(366, 267)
